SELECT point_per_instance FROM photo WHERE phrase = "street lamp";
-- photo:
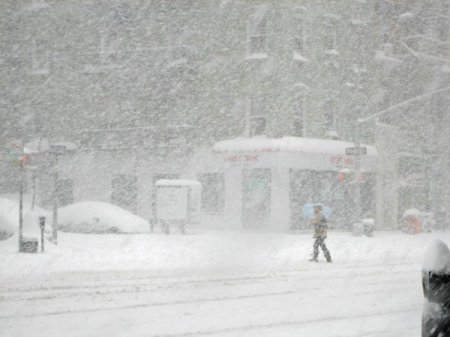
(357, 151)
(56, 150)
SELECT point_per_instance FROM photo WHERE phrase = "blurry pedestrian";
(320, 234)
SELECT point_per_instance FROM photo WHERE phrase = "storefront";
(267, 181)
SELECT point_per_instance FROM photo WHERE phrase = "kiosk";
(178, 203)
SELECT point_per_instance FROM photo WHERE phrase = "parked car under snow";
(99, 217)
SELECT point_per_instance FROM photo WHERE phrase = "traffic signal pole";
(21, 188)
(55, 203)
(358, 203)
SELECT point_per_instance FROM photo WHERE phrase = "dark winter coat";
(320, 226)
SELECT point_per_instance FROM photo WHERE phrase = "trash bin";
(436, 289)
(411, 222)
(29, 245)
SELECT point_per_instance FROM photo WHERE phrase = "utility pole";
(56, 150)
(358, 171)
(55, 202)
(21, 188)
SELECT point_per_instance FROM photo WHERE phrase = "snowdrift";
(99, 217)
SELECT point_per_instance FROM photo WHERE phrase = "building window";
(108, 54)
(257, 32)
(258, 115)
(40, 57)
(108, 50)
(359, 13)
(213, 192)
(299, 117)
(299, 40)
(330, 38)
(330, 28)
(330, 116)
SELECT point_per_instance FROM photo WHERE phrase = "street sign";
(353, 151)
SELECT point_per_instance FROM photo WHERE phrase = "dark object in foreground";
(28, 245)
(436, 289)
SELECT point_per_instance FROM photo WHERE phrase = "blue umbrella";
(308, 210)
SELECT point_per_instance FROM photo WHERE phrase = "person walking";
(320, 234)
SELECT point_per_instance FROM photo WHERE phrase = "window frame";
(297, 115)
(300, 35)
(255, 114)
(40, 58)
(257, 31)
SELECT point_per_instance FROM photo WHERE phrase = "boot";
(314, 259)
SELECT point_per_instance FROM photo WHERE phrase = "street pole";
(33, 198)
(21, 169)
(358, 172)
(57, 150)
(55, 203)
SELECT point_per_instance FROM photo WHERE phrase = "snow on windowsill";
(406, 16)
(298, 57)
(90, 69)
(331, 16)
(258, 56)
(382, 57)
(39, 72)
(357, 22)
(37, 6)
(300, 85)
(332, 52)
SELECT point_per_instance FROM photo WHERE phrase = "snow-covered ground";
(209, 283)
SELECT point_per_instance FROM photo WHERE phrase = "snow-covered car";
(99, 217)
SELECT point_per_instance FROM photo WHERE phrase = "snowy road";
(352, 298)
(319, 300)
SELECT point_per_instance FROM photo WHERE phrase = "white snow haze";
(175, 168)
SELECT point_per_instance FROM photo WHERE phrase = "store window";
(213, 192)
